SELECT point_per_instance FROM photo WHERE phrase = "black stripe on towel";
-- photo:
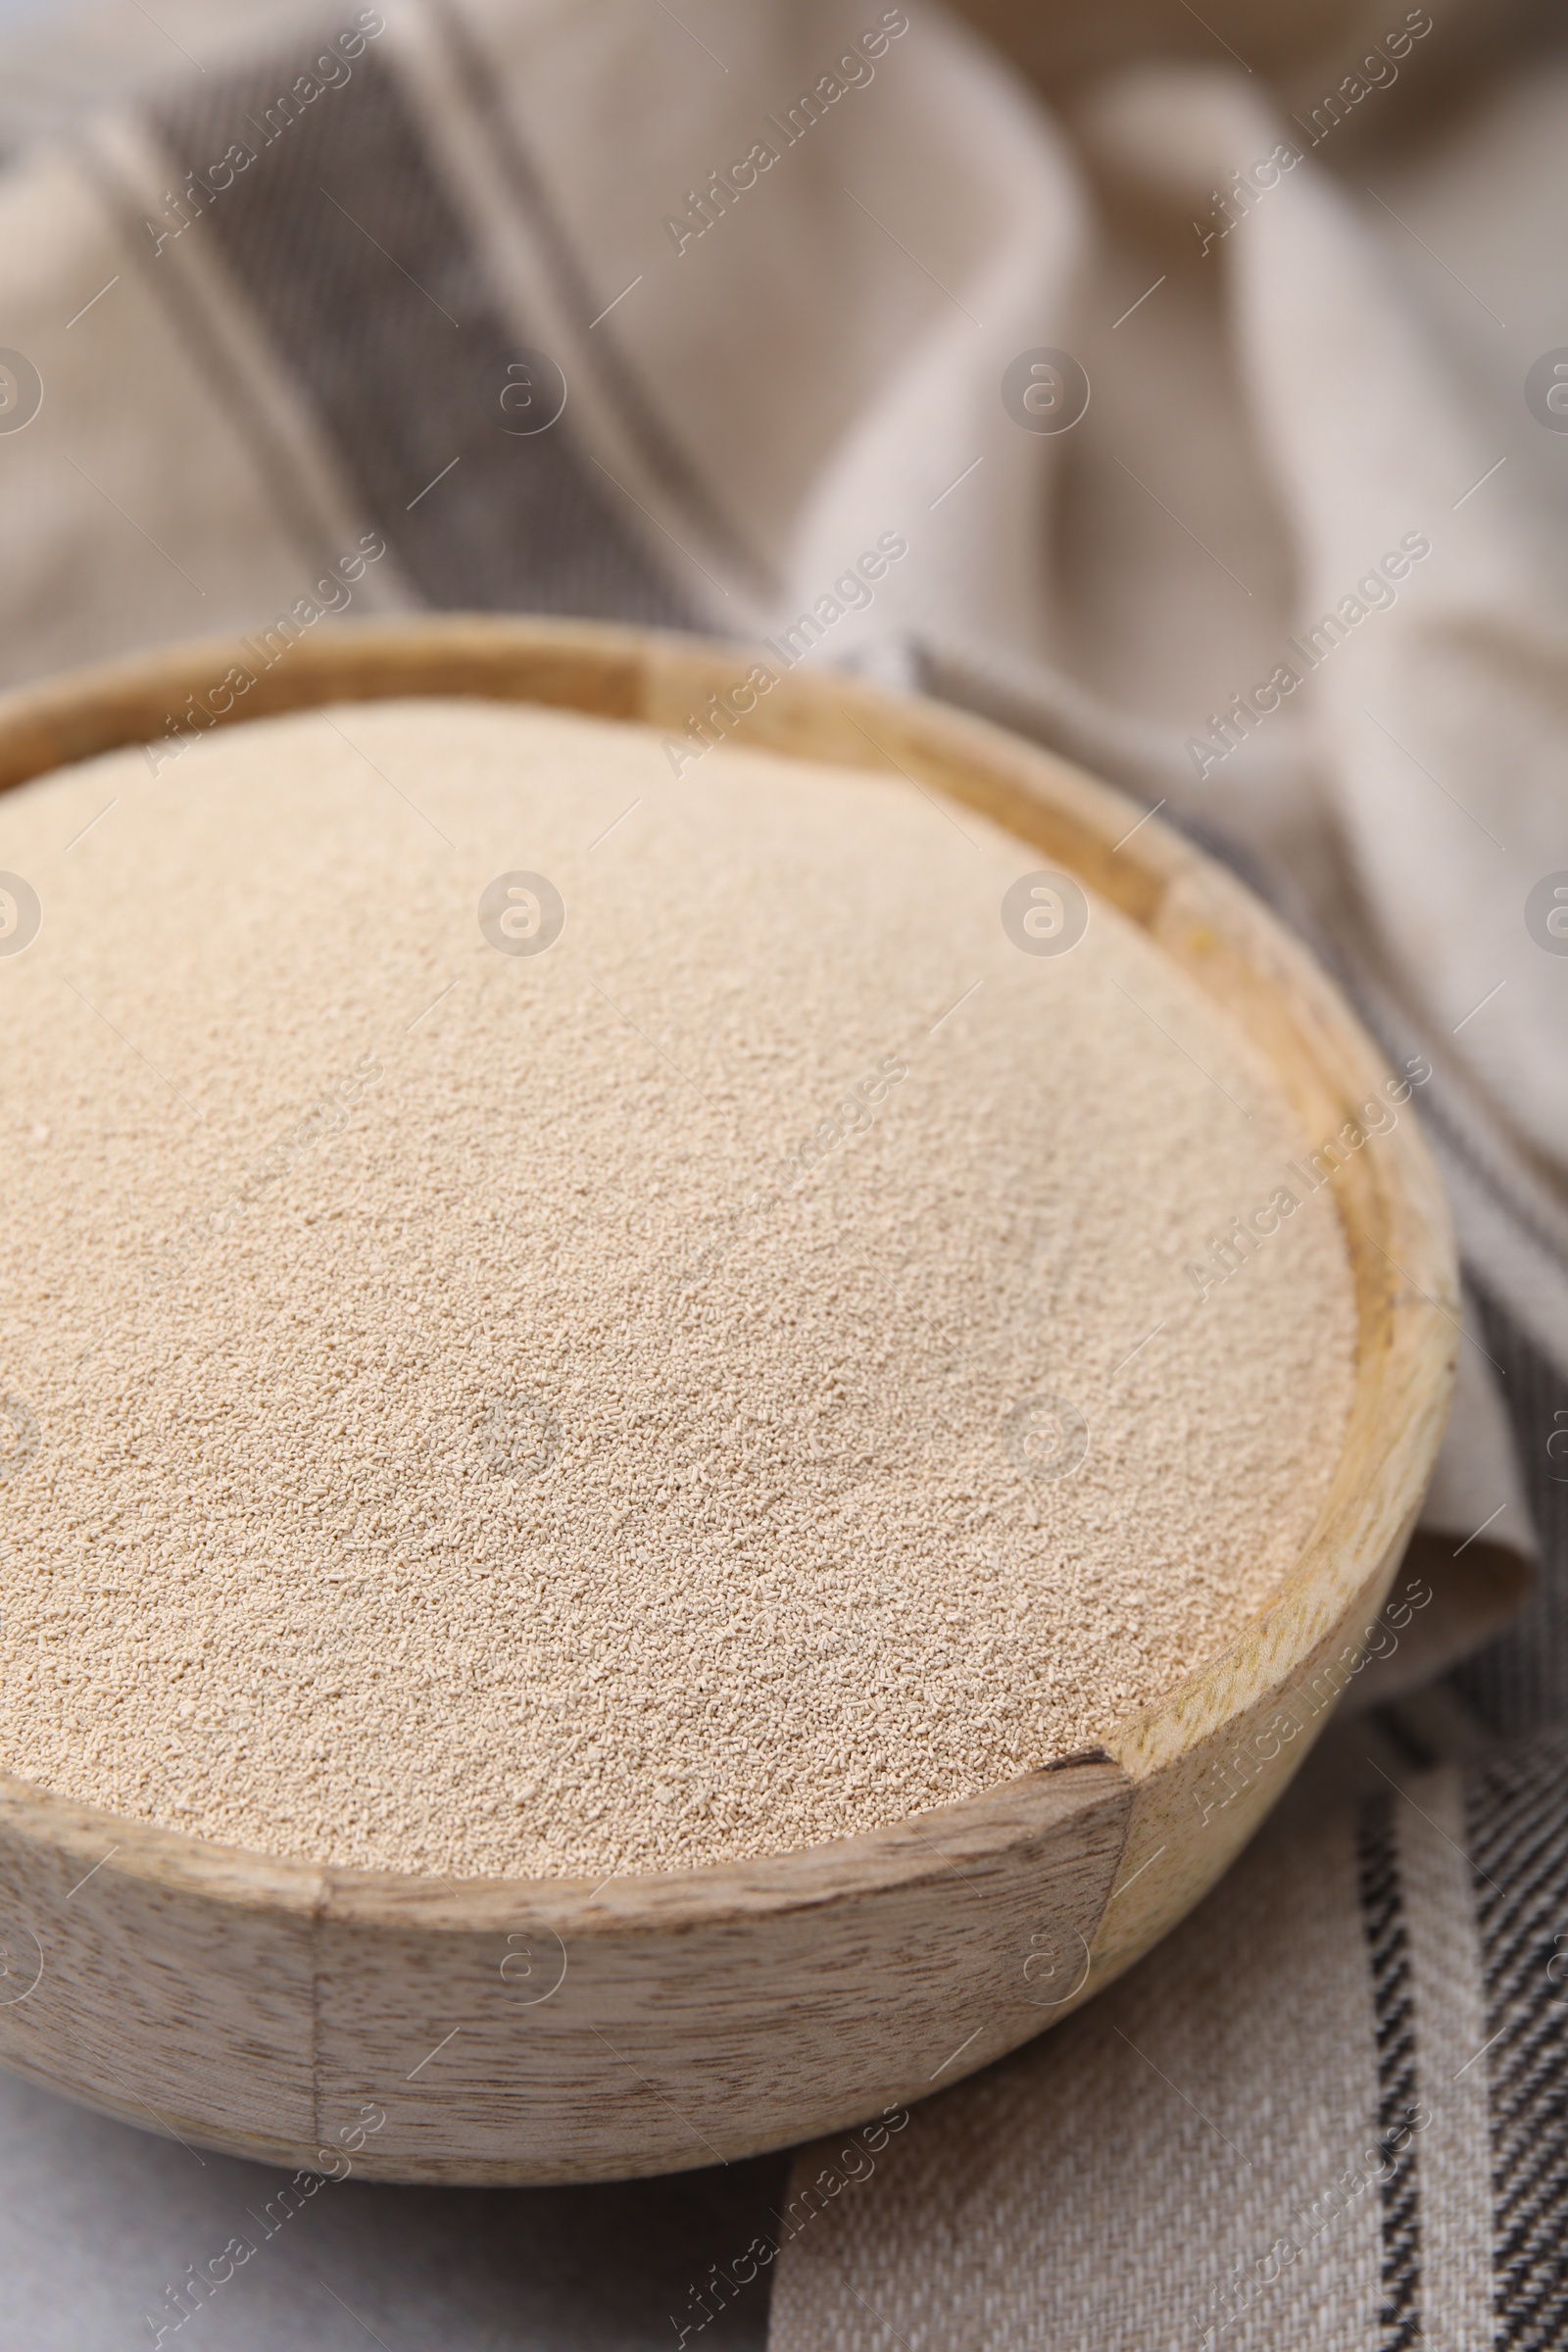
(1393, 2024)
(666, 459)
(355, 262)
(1518, 1840)
(273, 463)
(1519, 1684)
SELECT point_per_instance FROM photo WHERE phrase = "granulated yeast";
(447, 1433)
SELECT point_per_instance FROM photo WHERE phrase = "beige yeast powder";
(581, 1411)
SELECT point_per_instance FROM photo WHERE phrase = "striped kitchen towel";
(1328, 2111)
(667, 317)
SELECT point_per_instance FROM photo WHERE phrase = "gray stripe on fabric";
(206, 347)
(1519, 1683)
(1452, 2127)
(1388, 1956)
(666, 461)
(354, 263)
(1518, 1839)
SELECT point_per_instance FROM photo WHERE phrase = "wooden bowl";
(546, 2030)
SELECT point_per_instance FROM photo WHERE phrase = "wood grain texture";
(265, 2007)
(545, 2030)
(166, 1981)
(685, 2019)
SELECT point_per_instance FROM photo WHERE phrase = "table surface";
(98, 2220)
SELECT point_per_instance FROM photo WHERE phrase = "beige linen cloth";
(1280, 2132)
(815, 275)
(1312, 374)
